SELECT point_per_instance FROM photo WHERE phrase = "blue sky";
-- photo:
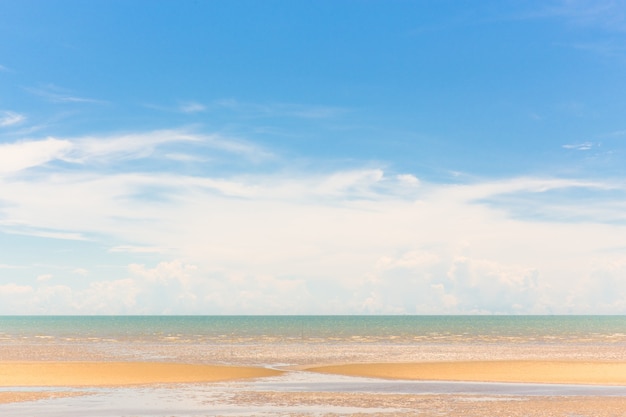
(312, 157)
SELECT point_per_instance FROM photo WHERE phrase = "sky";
(313, 157)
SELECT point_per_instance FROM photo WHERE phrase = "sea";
(318, 329)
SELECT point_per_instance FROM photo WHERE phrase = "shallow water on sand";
(253, 398)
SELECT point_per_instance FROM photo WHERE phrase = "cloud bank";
(289, 240)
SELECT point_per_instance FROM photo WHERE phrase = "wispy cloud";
(192, 107)
(138, 249)
(21, 155)
(278, 109)
(6, 266)
(607, 47)
(585, 146)
(9, 118)
(606, 14)
(616, 134)
(57, 94)
(115, 149)
(39, 232)
(44, 277)
(600, 24)
(183, 157)
(248, 110)
(123, 146)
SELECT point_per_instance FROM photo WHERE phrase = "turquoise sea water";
(269, 329)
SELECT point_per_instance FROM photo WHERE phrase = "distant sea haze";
(318, 329)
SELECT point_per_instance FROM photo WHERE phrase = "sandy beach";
(42, 375)
(526, 371)
(79, 374)
(125, 377)
(154, 374)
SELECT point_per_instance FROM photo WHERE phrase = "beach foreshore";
(44, 377)
(520, 371)
(105, 373)
(427, 405)
(242, 376)
(25, 396)
(79, 374)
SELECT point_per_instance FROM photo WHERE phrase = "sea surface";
(319, 329)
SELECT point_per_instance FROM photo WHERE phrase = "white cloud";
(443, 281)
(192, 107)
(408, 179)
(9, 118)
(116, 296)
(602, 290)
(356, 181)
(164, 271)
(149, 291)
(98, 150)
(125, 146)
(137, 249)
(585, 146)
(344, 241)
(18, 156)
(42, 233)
(182, 157)
(44, 277)
(13, 289)
(57, 94)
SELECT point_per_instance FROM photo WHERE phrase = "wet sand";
(80, 374)
(125, 366)
(524, 371)
(23, 396)
(443, 405)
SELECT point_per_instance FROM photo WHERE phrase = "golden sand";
(555, 372)
(29, 374)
